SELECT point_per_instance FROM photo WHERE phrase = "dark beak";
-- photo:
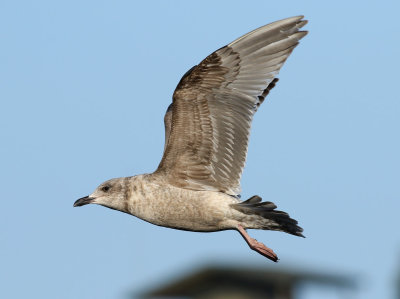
(83, 201)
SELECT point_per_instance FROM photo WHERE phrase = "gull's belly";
(173, 207)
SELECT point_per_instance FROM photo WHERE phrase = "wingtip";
(301, 34)
(294, 18)
(299, 20)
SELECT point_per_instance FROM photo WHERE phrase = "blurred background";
(84, 86)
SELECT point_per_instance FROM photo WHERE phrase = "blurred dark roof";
(244, 282)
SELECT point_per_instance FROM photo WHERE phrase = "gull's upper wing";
(208, 124)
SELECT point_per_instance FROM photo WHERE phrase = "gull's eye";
(105, 188)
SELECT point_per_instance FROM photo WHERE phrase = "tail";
(270, 218)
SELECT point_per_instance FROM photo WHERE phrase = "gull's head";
(111, 194)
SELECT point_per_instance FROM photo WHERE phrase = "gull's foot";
(258, 246)
(263, 250)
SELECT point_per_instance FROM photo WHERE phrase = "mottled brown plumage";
(207, 128)
(213, 106)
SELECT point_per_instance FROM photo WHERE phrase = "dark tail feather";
(266, 209)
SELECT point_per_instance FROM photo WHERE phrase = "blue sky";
(83, 90)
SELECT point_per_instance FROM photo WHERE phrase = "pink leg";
(257, 246)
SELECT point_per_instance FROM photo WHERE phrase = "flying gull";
(196, 186)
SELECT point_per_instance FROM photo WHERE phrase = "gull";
(196, 186)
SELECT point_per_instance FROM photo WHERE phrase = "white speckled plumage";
(207, 128)
(160, 203)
